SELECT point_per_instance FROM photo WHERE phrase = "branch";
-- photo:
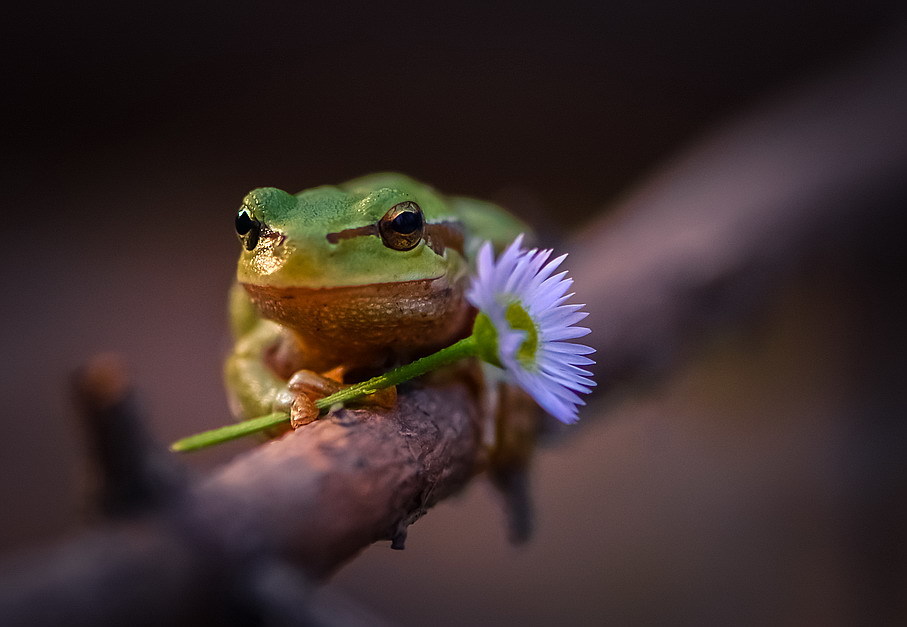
(703, 242)
(209, 551)
(326, 491)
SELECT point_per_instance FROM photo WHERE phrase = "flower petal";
(554, 375)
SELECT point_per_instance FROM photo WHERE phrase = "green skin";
(297, 253)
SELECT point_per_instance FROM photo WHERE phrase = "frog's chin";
(367, 325)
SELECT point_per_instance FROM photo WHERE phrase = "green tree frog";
(338, 283)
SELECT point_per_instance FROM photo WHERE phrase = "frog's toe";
(335, 374)
(312, 384)
(302, 411)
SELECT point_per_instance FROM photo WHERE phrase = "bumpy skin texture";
(320, 290)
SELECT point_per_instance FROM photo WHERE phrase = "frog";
(337, 283)
(340, 282)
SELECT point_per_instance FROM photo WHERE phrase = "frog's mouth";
(404, 318)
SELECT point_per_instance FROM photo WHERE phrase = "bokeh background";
(132, 131)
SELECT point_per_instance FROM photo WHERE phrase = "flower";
(523, 315)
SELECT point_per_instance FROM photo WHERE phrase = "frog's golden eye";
(248, 229)
(401, 228)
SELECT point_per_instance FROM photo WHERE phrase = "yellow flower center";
(518, 318)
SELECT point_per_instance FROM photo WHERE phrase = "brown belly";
(370, 326)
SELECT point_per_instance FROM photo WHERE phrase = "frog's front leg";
(257, 389)
(254, 387)
(253, 376)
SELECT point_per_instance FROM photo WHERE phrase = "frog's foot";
(312, 384)
(307, 386)
(335, 374)
(385, 398)
(303, 411)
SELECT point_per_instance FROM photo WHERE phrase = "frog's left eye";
(401, 228)
(248, 229)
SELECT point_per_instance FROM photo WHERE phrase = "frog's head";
(363, 272)
(383, 228)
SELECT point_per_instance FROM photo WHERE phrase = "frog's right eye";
(402, 227)
(248, 229)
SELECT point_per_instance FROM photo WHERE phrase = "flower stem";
(464, 348)
(230, 432)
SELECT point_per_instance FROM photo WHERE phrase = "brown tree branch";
(323, 493)
(210, 551)
(705, 241)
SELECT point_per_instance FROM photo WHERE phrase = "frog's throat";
(368, 326)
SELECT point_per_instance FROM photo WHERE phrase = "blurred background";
(728, 489)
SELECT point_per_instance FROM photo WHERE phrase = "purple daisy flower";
(524, 301)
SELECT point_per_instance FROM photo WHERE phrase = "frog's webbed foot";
(307, 386)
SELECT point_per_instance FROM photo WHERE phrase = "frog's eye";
(401, 228)
(248, 229)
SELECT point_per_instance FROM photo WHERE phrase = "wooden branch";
(207, 551)
(321, 494)
(704, 242)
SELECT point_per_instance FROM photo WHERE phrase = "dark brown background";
(132, 132)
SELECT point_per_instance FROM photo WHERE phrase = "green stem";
(230, 432)
(464, 348)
